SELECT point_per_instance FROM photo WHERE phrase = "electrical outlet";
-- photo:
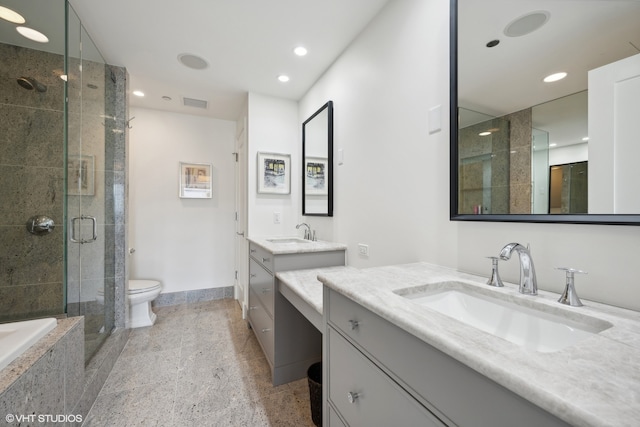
(277, 217)
(363, 249)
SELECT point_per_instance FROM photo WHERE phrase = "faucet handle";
(495, 280)
(571, 271)
(570, 296)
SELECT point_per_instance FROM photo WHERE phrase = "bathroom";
(403, 217)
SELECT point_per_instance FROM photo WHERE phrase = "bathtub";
(17, 337)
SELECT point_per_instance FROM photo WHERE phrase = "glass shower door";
(87, 193)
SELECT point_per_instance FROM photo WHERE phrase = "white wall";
(273, 128)
(569, 154)
(185, 243)
(391, 193)
(393, 190)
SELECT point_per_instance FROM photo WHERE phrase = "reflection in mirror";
(317, 165)
(512, 133)
(495, 154)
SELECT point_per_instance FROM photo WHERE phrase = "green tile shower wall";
(31, 182)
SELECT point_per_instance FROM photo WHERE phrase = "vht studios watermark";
(43, 418)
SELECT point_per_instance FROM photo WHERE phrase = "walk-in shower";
(62, 173)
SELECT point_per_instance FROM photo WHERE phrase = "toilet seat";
(141, 286)
(138, 287)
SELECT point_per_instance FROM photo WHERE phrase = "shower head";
(30, 83)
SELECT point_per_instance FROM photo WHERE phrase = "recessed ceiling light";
(300, 51)
(283, 78)
(166, 98)
(193, 61)
(585, 139)
(11, 15)
(484, 133)
(555, 77)
(138, 93)
(32, 34)
(493, 43)
(553, 145)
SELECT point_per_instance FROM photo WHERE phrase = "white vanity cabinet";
(289, 341)
(378, 374)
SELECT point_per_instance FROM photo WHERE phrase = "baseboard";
(195, 295)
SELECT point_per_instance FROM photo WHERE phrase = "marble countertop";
(306, 285)
(595, 382)
(300, 246)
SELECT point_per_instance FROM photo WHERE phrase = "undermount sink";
(288, 240)
(525, 326)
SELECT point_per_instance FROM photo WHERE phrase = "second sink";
(288, 240)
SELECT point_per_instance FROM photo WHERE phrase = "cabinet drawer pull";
(354, 324)
(266, 290)
(253, 307)
(265, 330)
(266, 259)
(252, 275)
(253, 251)
(352, 396)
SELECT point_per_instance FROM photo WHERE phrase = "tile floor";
(198, 365)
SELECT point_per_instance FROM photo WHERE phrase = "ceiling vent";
(197, 103)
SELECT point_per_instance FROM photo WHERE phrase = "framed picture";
(274, 173)
(195, 180)
(315, 176)
(81, 175)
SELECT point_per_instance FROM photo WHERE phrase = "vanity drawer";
(364, 395)
(261, 283)
(262, 326)
(334, 419)
(454, 392)
(262, 256)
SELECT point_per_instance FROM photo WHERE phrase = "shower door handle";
(94, 235)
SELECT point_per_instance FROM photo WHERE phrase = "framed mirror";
(317, 163)
(511, 130)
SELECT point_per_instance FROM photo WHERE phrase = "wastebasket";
(314, 376)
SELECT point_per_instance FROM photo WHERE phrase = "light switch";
(435, 119)
(277, 217)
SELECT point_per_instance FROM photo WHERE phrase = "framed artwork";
(315, 176)
(274, 173)
(81, 175)
(195, 180)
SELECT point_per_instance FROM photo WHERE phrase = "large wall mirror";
(527, 150)
(317, 162)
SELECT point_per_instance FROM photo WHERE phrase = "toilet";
(140, 295)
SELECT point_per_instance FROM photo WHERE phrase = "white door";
(241, 244)
(614, 145)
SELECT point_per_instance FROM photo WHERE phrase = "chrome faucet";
(528, 283)
(307, 231)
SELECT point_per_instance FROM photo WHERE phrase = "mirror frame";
(612, 219)
(329, 107)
